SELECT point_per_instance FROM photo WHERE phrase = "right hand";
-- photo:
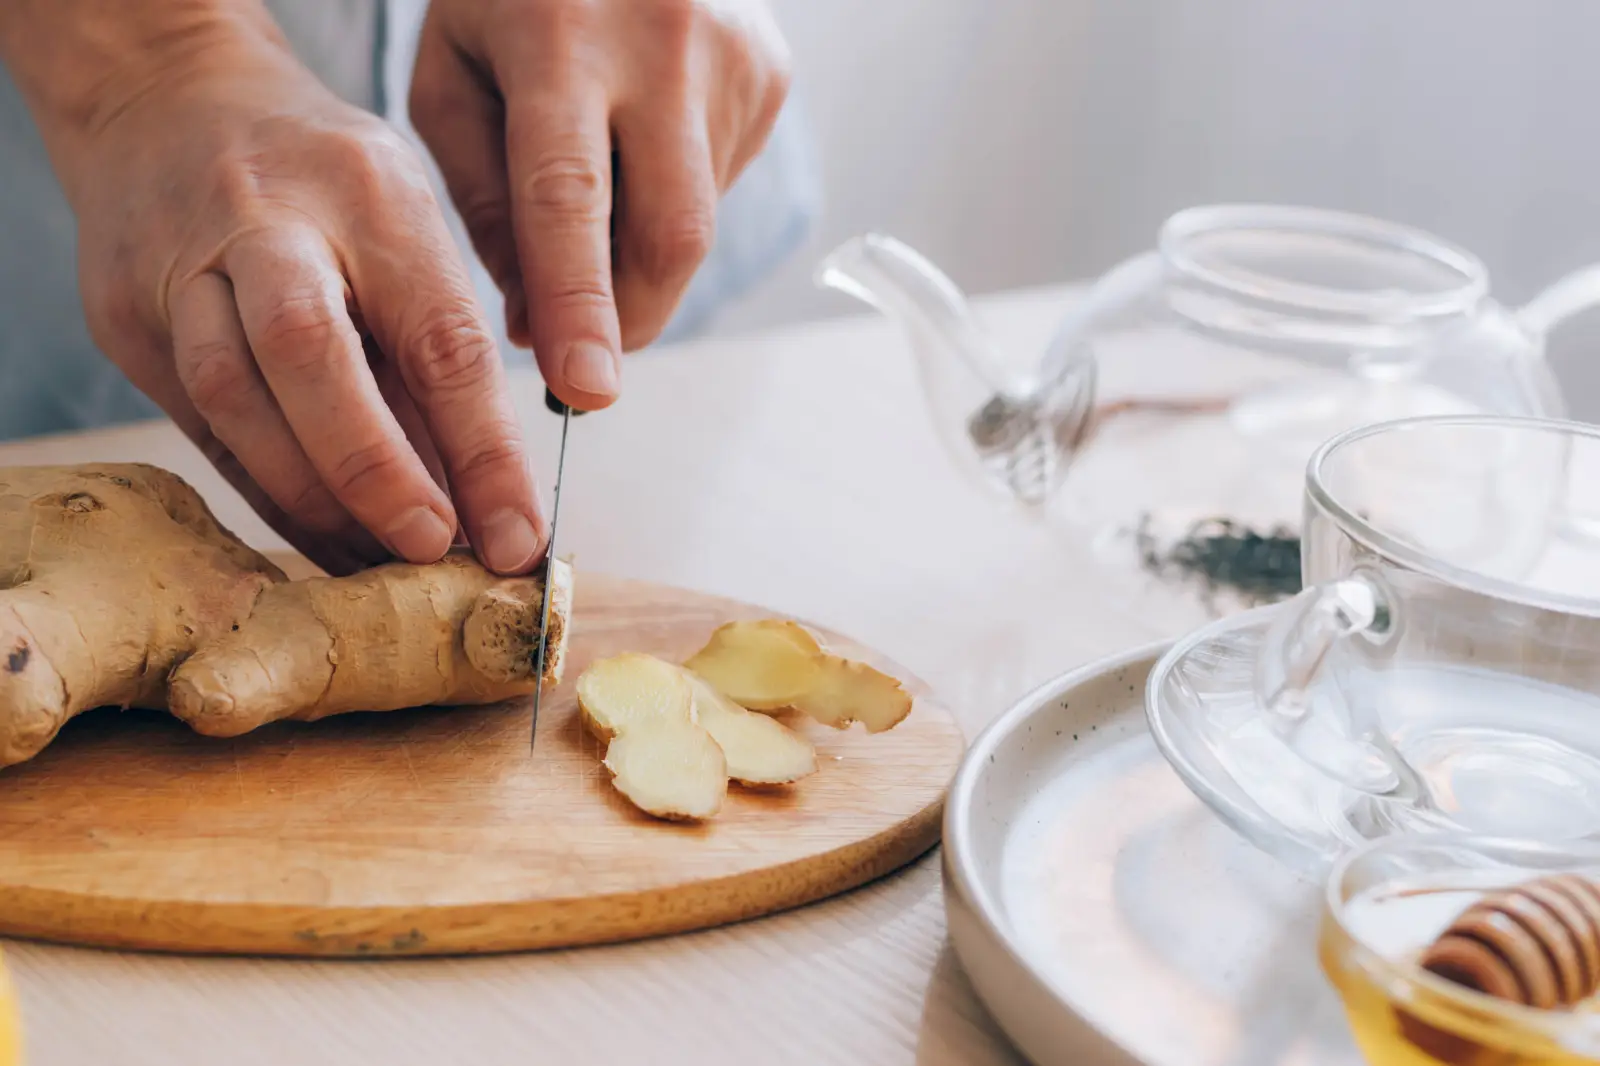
(268, 264)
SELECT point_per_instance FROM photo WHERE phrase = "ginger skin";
(119, 588)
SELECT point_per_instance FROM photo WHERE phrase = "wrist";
(80, 63)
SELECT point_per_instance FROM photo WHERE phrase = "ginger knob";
(1537, 944)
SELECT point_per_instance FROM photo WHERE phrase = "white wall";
(1025, 141)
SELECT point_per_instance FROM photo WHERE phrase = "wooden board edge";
(51, 916)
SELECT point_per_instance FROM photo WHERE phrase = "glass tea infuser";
(1219, 360)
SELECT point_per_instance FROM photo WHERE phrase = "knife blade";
(565, 412)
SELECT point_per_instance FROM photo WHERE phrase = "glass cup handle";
(1293, 653)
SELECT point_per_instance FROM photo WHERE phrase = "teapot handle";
(1566, 296)
(1118, 292)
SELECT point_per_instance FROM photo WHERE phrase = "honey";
(1401, 1016)
(10, 1026)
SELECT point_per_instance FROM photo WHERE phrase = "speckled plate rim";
(1045, 1026)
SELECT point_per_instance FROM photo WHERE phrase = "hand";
(269, 265)
(523, 102)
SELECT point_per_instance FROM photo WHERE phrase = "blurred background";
(1029, 142)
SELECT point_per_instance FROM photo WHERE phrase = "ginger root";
(119, 588)
(771, 665)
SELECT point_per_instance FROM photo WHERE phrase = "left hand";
(522, 103)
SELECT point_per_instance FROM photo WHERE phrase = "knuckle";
(236, 189)
(676, 245)
(568, 183)
(217, 378)
(347, 154)
(498, 453)
(375, 160)
(451, 352)
(313, 507)
(298, 333)
(568, 295)
(367, 470)
(388, 152)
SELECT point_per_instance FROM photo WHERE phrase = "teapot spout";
(927, 306)
(1006, 427)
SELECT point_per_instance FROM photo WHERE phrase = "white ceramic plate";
(1105, 915)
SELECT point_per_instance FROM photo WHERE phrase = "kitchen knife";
(565, 412)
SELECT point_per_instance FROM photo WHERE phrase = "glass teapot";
(1249, 336)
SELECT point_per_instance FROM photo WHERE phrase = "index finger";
(559, 154)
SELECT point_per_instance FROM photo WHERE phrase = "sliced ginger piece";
(762, 665)
(660, 757)
(760, 750)
(669, 771)
(626, 689)
(846, 691)
(776, 665)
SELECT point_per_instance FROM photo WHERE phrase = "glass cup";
(1386, 901)
(1443, 660)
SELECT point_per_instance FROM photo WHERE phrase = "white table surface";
(795, 469)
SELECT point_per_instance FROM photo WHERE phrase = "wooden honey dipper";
(1537, 944)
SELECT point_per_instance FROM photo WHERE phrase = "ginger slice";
(671, 772)
(847, 692)
(660, 757)
(762, 665)
(775, 665)
(760, 750)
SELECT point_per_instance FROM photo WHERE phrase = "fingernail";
(508, 541)
(419, 536)
(590, 368)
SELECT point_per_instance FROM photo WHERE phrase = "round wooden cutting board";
(435, 830)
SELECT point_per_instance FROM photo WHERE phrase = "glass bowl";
(1385, 902)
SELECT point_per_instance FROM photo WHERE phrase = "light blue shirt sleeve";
(52, 378)
(761, 221)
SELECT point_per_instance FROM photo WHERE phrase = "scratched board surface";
(435, 830)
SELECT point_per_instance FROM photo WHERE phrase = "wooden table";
(795, 469)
